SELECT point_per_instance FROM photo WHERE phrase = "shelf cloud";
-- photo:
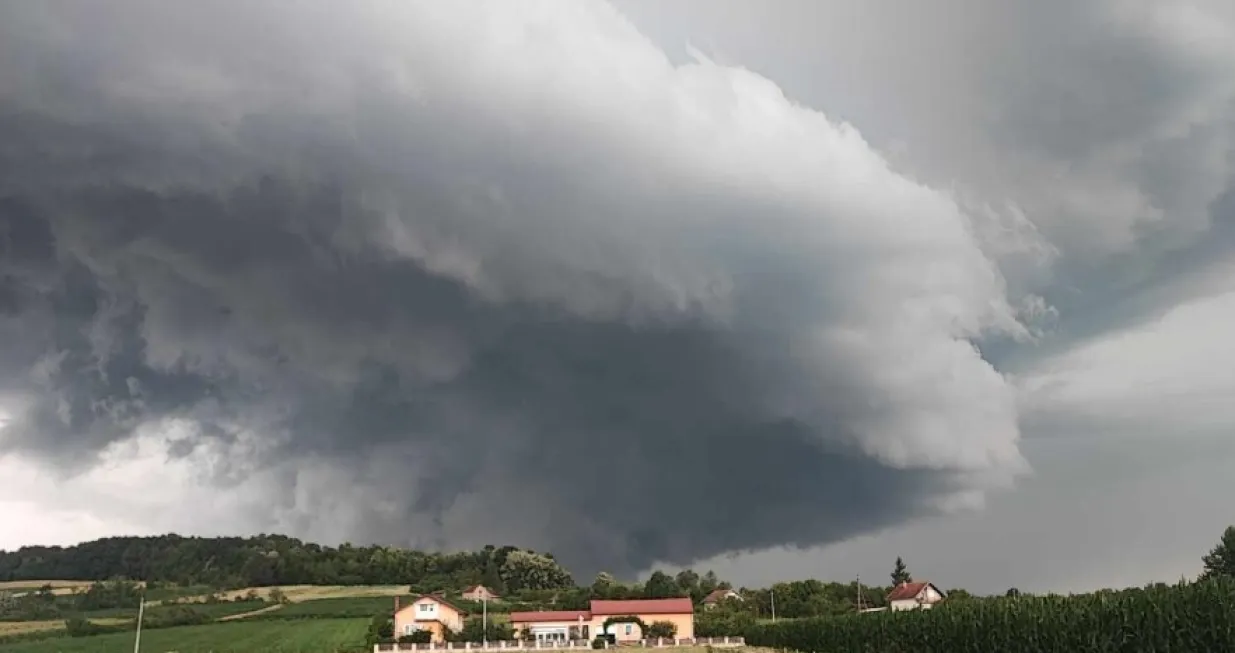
(449, 274)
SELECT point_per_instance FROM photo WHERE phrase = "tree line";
(528, 579)
(266, 560)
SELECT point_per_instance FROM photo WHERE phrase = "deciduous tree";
(524, 570)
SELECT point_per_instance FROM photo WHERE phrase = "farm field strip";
(22, 627)
(312, 636)
(18, 585)
(245, 615)
(297, 593)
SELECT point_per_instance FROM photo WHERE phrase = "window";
(408, 629)
(627, 629)
(426, 607)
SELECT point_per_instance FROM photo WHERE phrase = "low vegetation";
(320, 636)
(120, 600)
(1196, 617)
(334, 608)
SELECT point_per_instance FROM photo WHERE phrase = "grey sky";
(642, 283)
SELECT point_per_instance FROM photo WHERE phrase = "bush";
(661, 629)
(474, 631)
(1189, 617)
(599, 642)
(722, 623)
(80, 627)
(418, 637)
(175, 615)
(381, 631)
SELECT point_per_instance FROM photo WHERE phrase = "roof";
(717, 595)
(549, 615)
(473, 588)
(906, 591)
(643, 606)
(437, 599)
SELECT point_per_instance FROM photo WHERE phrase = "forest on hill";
(529, 580)
(265, 560)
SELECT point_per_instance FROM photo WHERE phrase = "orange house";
(559, 626)
(428, 612)
(679, 612)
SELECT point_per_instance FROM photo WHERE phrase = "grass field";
(314, 636)
(213, 610)
(354, 607)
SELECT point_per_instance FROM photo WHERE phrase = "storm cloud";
(496, 273)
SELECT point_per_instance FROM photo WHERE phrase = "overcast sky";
(785, 289)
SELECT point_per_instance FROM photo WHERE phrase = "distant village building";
(717, 596)
(480, 593)
(914, 596)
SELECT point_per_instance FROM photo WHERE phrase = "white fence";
(571, 645)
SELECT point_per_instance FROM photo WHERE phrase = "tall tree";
(524, 570)
(900, 574)
(1220, 561)
(709, 582)
(660, 586)
(688, 581)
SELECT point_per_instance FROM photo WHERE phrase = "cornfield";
(1186, 618)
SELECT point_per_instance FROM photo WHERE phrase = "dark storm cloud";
(497, 274)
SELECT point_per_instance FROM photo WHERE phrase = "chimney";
(396, 604)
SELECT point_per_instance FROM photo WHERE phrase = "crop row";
(1184, 618)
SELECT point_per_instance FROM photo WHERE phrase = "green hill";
(257, 561)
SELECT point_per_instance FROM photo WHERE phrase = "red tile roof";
(642, 606)
(906, 591)
(549, 615)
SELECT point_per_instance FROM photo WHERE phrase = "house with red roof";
(567, 625)
(914, 596)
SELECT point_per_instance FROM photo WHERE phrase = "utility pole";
(141, 612)
(859, 581)
(484, 619)
(773, 591)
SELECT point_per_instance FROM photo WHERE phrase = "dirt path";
(269, 608)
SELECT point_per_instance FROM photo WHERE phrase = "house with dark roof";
(567, 625)
(715, 597)
(914, 596)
